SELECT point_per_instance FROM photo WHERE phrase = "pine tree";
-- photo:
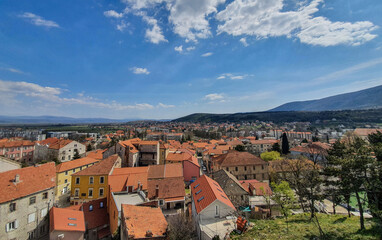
(285, 144)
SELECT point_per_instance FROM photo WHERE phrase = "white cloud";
(190, 48)
(138, 70)
(165, 106)
(122, 26)
(179, 48)
(13, 70)
(214, 97)
(189, 18)
(234, 77)
(155, 34)
(266, 18)
(112, 13)
(39, 21)
(52, 95)
(207, 54)
(244, 42)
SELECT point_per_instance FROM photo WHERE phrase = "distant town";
(184, 180)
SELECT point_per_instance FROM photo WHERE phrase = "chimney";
(157, 190)
(139, 186)
(17, 178)
(149, 233)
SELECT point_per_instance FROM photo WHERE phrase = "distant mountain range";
(7, 120)
(370, 98)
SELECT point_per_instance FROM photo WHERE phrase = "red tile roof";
(173, 170)
(97, 154)
(205, 191)
(65, 166)
(139, 220)
(31, 180)
(260, 187)
(98, 216)
(62, 219)
(167, 188)
(10, 144)
(60, 144)
(103, 167)
(130, 176)
(234, 158)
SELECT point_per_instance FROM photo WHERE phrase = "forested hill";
(365, 99)
(348, 116)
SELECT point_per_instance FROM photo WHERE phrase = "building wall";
(210, 211)
(19, 153)
(84, 187)
(40, 225)
(68, 235)
(66, 153)
(64, 179)
(190, 170)
(7, 165)
(258, 172)
(113, 215)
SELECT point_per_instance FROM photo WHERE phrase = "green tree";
(285, 144)
(89, 147)
(270, 156)
(240, 148)
(276, 147)
(283, 195)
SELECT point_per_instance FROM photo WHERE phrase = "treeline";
(340, 117)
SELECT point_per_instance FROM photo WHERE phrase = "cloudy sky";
(167, 58)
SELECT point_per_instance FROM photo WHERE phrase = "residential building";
(135, 152)
(98, 154)
(140, 222)
(64, 173)
(191, 167)
(8, 164)
(26, 196)
(96, 218)
(260, 146)
(211, 209)
(365, 132)
(66, 224)
(92, 182)
(60, 149)
(257, 193)
(17, 150)
(232, 188)
(242, 165)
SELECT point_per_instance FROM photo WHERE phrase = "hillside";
(365, 99)
(347, 116)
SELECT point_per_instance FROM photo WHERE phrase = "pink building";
(18, 150)
(191, 167)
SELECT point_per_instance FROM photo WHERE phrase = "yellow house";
(64, 173)
(92, 183)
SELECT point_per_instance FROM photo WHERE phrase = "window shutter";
(16, 224)
(7, 227)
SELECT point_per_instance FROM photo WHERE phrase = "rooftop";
(103, 167)
(65, 166)
(62, 219)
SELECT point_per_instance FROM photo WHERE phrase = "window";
(44, 211)
(101, 204)
(43, 229)
(254, 168)
(198, 192)
(77, 180)
(66, 181)
(254, 176)
(226, 169)
(263, 175)
(200, 199)
(161, 202)
(77, 192)
(45, 195)
(75, 145)
(236, 169)
(32, 200)
(101, 192)
(262, 167)
(91, 180)
(216, 210)
(90, 192)
(245, 168)
(31, 217)
(91, 208)
(12, 207)
(102, 180)
(74, 170)
(12, 226)
(32, 235)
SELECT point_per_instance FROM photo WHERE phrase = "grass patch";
(300, 227)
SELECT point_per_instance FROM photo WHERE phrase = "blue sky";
(162, 59)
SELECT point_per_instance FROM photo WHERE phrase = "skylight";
(72, 218)
(196, 186)
(198, 192)
(200, 199)
(223, 196)
(72, 224)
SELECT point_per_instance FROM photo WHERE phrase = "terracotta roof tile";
(10, 144)
(205, 191)
(235, 158)
(62, 219)
(130, 176)
(65, 166)
(103, 167)
(167, 188)
(97, 154)
(31, 180)
(139, 220)
(165, 171)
